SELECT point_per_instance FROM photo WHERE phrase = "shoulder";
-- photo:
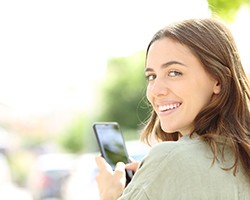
(173, 159)
(168, 165)
(185, 148)
(178, 161)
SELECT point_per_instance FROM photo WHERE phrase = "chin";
(168, 129)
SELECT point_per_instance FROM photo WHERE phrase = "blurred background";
(66, 64)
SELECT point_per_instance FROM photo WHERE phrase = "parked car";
(49, 173)
(82, 183)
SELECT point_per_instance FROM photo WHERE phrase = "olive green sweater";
(183, 170)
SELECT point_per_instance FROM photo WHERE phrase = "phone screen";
(111, 144)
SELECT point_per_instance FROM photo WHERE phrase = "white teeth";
(169, 107)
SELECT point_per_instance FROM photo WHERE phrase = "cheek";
(203, 98)
(202, 90)
(149, 97)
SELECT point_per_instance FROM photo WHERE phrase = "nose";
(158, 88)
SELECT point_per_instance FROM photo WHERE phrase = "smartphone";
(112, 145)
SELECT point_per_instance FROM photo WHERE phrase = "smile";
(169, 107)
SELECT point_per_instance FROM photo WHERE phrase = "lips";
(167, 107)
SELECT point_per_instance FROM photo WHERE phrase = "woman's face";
(178, 86)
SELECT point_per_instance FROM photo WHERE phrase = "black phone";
(112, 145)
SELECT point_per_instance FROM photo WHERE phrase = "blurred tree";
(123, 92)
(73, 137)
(78, 137)
(226, 9)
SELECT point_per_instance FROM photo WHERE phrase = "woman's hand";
(111, 183)
(133, 166)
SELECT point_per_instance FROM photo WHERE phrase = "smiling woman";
(193, 69)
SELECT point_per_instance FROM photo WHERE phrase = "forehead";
(165, 50)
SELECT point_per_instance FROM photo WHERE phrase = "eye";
(174, 73)
(150, 77)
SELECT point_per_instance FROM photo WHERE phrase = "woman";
(200, 97)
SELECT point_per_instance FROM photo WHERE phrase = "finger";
(120, 166)
(102, 164)
(120, 171)
(132, 166)
(100, 161)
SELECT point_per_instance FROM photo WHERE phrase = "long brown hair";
(229, 113)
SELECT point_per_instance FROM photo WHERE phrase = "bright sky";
(52, 52)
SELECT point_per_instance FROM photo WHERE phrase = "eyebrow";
(165, 65)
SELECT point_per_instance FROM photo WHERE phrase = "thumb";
(120, 166)
(120, 173)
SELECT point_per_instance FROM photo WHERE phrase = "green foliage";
(123, 92)
(72, 140)
(226, 9)
(78, 137)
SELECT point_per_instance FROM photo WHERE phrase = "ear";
(217, 87)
